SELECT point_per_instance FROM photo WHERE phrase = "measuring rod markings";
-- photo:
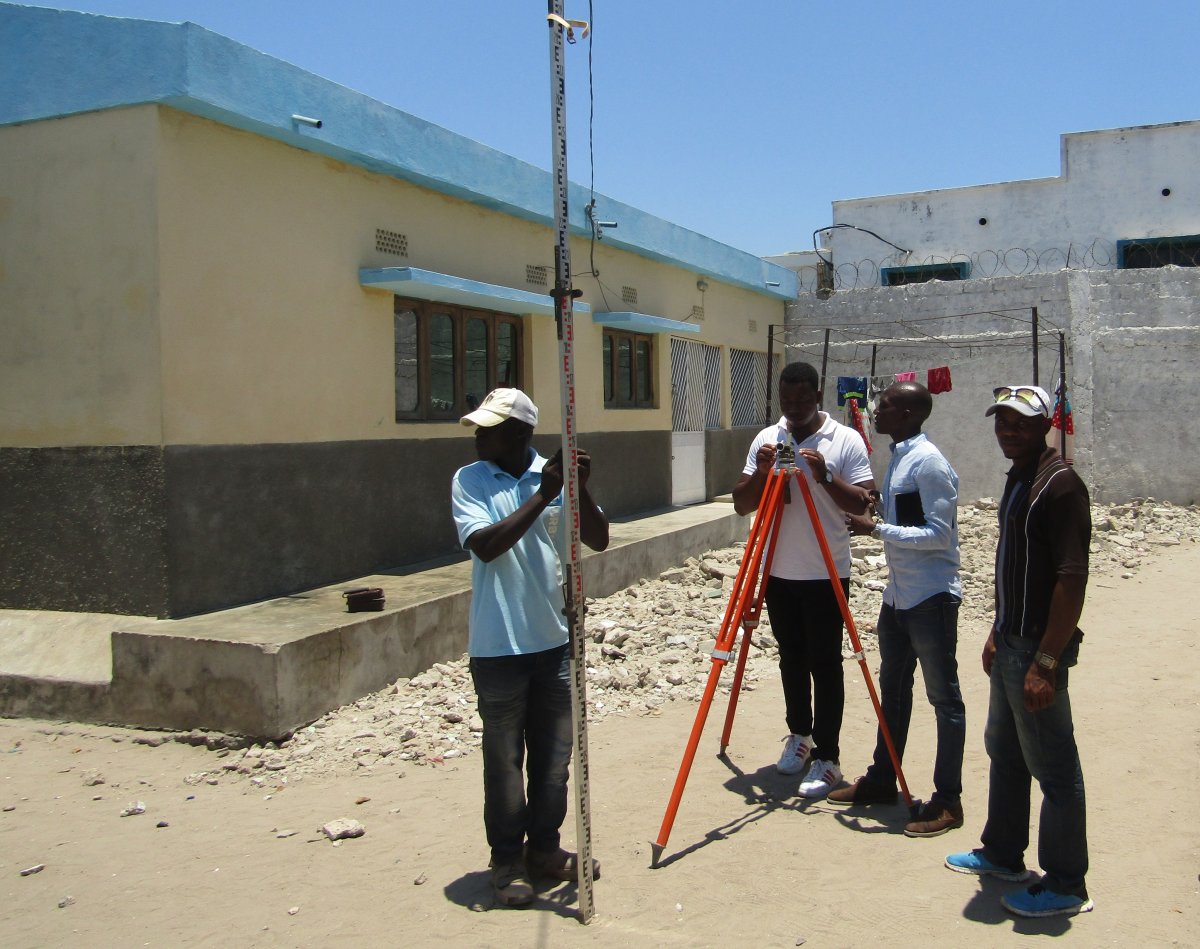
(572, 571)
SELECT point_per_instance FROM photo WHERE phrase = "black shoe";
(510, 882)
(863, 791)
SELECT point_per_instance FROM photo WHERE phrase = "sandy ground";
(747, 861)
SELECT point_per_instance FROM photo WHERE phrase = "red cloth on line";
(856, 422)
(939, 380)
(1064, 421)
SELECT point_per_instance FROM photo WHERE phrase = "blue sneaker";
(1038, 901)
(973, 861)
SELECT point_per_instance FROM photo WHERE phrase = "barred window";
(695, 386)
(749, 379)
(448, 358)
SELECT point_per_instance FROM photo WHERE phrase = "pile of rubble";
(650, 645)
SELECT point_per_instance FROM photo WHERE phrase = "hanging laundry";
(851, 387)
(906, 377)
(1064, 421)
(939, 380)
(856, 422)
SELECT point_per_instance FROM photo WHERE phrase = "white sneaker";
(795, 754)
(822, 777)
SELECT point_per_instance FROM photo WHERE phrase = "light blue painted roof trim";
(643, 322)
(59, 63)
(446, 288)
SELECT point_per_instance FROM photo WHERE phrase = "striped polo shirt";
(1045, 530)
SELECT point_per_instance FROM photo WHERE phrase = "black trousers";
(807, 623)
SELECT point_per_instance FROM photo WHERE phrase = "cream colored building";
(244, 308)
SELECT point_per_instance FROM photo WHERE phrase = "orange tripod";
(744, 609)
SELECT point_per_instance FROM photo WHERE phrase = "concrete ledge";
(271, 667)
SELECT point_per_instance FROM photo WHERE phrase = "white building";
(1104, 255)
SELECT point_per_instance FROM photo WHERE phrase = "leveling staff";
(804, 611)
(520, 658)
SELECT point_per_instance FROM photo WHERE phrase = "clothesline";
(863, 388)
(938, 378)
(857, 394)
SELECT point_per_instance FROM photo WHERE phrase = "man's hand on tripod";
(764, 460)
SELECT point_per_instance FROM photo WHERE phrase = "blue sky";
(745, 120)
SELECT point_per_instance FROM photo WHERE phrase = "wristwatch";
(1045, 660)
(875, 532)
(828, 475)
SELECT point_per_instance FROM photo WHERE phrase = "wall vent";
(390, 242)
(698, 314)
(752, 326)
(629, 295)
(537, 275)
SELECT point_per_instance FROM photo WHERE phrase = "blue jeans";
(525, 704)
(927, 633)
(1041, 745)
(806, 619)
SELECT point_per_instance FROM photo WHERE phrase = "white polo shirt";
(797, 553)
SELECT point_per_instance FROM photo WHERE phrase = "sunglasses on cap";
(1030, 397)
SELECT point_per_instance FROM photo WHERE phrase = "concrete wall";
(84, 529)
(724, 457)
(79, 282)
(1132, 338)
(187, 529)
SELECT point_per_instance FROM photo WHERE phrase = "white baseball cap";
(1028, 400)
(501, 404)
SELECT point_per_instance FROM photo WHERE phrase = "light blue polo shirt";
(517, 599)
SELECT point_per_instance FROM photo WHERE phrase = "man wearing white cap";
(1041, 577)
(520, 661)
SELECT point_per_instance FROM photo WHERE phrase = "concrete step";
(267, 668)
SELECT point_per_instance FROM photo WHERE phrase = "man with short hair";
(805, 615)
(518, 646)
(918, 620)
(1041, 578)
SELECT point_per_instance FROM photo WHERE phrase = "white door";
(695, 406)
(687, 467)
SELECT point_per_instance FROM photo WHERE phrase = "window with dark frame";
(449, 357)
(923, 273)
(1147, 252)
(628, 370)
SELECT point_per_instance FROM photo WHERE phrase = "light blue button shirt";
(922, 559)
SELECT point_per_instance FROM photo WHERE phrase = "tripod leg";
(685, 767)
(855, 642)
(764, 519)
(736, 688)
(751, 614)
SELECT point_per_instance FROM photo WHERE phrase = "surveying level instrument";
(563, 295)
(744, 610)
